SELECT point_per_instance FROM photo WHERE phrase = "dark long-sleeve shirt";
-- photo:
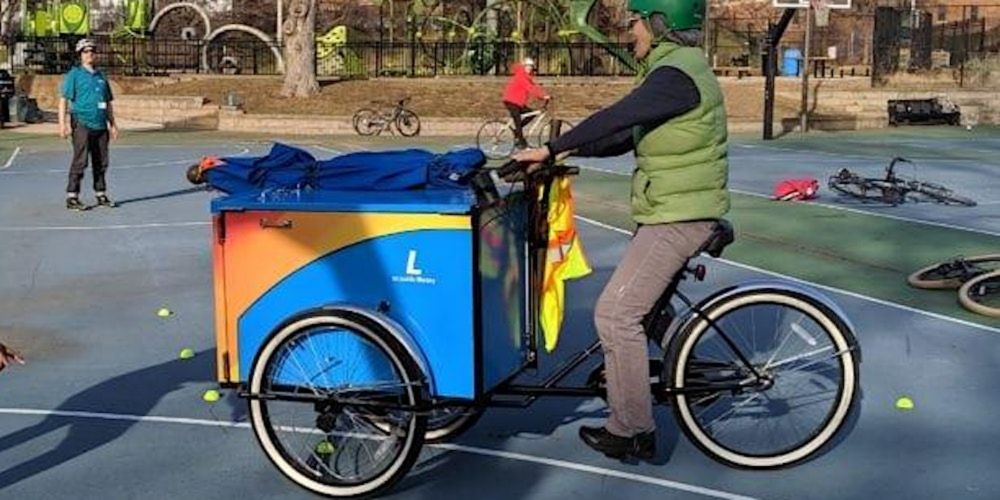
(666, 93)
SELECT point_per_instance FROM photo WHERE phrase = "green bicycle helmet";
(678, 14)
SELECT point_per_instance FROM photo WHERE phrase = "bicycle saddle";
(720, 238)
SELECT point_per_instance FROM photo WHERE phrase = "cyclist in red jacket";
(520, 89)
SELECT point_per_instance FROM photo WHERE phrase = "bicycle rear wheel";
(546, 130)
(953, 273)
(981, 295)
(495, 139)
(318, 387)
(367, 121)
(865, 190)
(450, 422)
(806, 357)
(408, 123)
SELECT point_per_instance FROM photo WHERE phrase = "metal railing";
(150, 56)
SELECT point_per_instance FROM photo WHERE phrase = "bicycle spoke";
(835, 355)
(734, 408)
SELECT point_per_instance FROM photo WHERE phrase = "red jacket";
(520, 87)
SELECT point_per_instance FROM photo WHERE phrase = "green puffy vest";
(682, 166)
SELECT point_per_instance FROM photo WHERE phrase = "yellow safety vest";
(564, 259)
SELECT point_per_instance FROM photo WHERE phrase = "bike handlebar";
(889, 173)
(485, 188)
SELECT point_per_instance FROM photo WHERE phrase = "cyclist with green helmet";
(675, 123)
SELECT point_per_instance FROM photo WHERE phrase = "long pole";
(804, 113)
(774, 34)
(281, 14)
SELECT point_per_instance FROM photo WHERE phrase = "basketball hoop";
(822, 8)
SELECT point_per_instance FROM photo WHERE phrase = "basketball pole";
(774, 35)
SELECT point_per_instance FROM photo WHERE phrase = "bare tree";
(7, 9)
(300, 50)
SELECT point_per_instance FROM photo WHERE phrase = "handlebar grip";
(508, 168)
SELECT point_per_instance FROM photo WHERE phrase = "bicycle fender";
(686, 317)
(397, 331)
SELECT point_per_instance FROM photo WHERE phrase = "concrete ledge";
(238, 121)
(148, 101)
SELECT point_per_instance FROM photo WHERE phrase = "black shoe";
(640, 446)
(103, 201)
(73, 203)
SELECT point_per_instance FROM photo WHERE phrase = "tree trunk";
(300, 50)
(6, 19)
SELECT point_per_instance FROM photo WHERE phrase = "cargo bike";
(361, 325)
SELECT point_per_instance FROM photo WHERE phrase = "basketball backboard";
(801, 4)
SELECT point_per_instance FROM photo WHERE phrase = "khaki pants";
(655, 254)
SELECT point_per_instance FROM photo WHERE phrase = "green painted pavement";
(937, 143)
(861, 253)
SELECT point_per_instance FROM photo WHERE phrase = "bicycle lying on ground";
(976, 278)
(496, 136)
(370, 121)
(892, 189)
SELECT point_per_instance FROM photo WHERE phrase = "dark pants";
(94, 143)
(519, 123)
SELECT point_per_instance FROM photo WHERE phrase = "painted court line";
(817, 285)
(100, 228)
(845, 209)
(112, 168)
(10, 161)
(562, 464)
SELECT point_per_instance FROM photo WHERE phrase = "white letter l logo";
(411, 262)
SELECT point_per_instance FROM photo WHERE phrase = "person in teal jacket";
(92, 123)
(675, 123)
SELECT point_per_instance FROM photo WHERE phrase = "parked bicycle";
(892, 189)
(496, 136)
(976, 278)
(370, 121)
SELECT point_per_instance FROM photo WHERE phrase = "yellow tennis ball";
(904, 403)
(325, 448)
(186, 353)
(164, 312)
(211, 396)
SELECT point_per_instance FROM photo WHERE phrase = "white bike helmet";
(85, 43)
(527, 61)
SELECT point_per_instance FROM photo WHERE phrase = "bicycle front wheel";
(495, 139)
(805, 357)
(333, 399)
(408, 123)
(942, 194)
(981, 295)
(953, 273)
